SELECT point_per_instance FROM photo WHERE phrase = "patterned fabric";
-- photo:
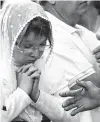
(13, 19)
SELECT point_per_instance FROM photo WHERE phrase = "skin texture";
(68, 11)
(85, 98)
(96, 51)
(29, 54)
(27, 50)
(28, 80)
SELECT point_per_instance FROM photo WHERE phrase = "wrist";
(35, 97)
(25, 90)
(99, 95)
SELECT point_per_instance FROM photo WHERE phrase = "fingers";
(85, 84)
(35, 75)
(97, 55)
(70, 101)
(77, 110)
(70, 107)
(27, 67)
(36, 82)
(70, 93)
(98, 60)
(98, 36)
(24, 68)
(31, 70)
(66, 93)
(96, 50)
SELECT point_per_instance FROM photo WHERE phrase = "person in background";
(91, 19)
(1, 3)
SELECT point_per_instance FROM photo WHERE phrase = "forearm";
(49, 106)
(16, 103)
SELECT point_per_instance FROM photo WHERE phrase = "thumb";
(85, 84)
(36, 83)
(70, 93)
(98, 36)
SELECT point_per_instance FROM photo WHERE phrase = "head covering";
(13, 19)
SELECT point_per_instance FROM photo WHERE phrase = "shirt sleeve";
(70, 58)
(16, 103)
(73, 62)
(90, 38)
(50, 106)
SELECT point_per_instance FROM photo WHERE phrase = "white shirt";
(72, 57)
(71, 60)
(15, 104)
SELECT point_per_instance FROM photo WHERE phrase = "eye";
(43, 43)
(28, 46)
(16, 43)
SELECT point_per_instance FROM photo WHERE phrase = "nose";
(35, 53)
(89, 2)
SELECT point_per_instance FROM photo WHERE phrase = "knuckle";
(67, 102)
(97, 55)
(34, 68)
(72, 100)
(89, 83)
(98, 60)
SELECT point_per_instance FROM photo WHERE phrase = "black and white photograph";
(49, 61)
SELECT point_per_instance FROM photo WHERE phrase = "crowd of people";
(49, 61)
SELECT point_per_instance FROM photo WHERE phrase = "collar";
(54, 20)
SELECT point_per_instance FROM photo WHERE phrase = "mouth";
(85, 2)
(27, 61)
(83, 6)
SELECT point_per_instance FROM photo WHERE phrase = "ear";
(52, 2)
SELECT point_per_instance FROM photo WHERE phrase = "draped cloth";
(13, 19)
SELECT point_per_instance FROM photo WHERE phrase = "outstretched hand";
(83, 99)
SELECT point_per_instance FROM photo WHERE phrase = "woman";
(24, 31)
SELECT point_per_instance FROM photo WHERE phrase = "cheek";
(18, 56)
(70, 7)
(40, 53)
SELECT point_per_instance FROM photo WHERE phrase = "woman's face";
(29, 48)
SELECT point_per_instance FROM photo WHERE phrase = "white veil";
(13, 18)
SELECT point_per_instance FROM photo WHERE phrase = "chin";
(19, 64)
(28, 62)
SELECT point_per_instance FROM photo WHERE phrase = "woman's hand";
(28, 80)
(83, 99)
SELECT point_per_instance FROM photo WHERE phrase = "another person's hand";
(28, 80)
(96, 51)
(83, 99)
